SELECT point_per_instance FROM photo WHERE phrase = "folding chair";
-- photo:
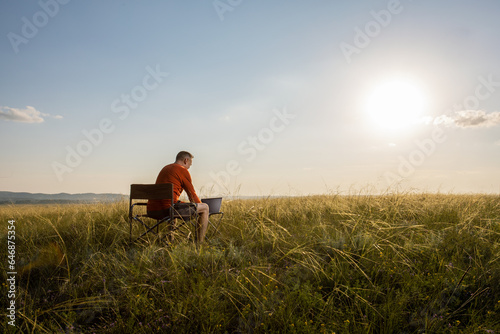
(141, 193)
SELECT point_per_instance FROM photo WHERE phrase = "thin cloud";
(26, 115)
(470, 119)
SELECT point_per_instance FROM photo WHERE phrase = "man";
(177, 173)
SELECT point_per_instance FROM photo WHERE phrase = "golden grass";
(318, 264)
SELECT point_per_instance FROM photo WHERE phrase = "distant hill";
(9, 197)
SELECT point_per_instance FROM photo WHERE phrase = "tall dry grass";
(401, 263)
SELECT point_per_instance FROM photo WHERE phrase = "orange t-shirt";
(181, 180)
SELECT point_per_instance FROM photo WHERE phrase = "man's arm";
(187, 185)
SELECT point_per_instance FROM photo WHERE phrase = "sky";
(271, 97)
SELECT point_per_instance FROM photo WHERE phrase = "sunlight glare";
(396, 104)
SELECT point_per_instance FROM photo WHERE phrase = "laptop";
(214, 204)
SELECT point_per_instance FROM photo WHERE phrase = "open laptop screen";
(214, 204)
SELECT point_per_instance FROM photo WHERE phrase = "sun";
(396, 104)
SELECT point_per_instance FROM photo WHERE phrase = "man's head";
(184, 158)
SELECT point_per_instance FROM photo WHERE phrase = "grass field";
(403, 263)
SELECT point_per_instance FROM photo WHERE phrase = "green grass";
(403, 263)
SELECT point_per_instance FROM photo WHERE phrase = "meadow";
(395, 263)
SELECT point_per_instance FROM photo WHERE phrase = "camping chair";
(141, 193)
(214, 205)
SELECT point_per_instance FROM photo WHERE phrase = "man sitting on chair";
(177, 173)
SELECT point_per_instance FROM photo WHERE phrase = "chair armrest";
(131, 209)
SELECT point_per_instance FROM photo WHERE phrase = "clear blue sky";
(272, 97)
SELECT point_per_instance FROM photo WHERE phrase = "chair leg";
(151, 229)
(215, 225)
(183, 228)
